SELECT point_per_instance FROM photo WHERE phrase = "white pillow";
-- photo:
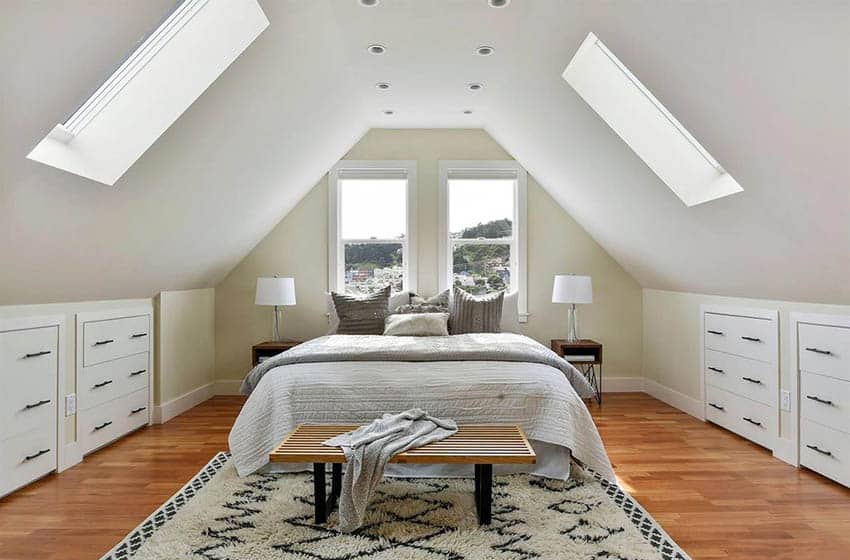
(417, 324)
(396, 300)
(510, 314)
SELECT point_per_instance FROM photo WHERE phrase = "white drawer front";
(747, 418)
(115, 338)
(825, 400)
(753, 379)
(28, 377)
(825, 450)
(106, 381)
(742, 336)
(109, 421)
(26, 457)
(825, 350)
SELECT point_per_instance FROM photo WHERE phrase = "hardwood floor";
(717, 495)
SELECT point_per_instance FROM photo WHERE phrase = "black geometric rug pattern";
(269, 516)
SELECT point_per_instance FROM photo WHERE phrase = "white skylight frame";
(646, 126)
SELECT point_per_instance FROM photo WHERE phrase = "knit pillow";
(470, 314)
(417, 324)
(362, 315)
(435, 304)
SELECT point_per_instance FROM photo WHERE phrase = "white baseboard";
(622, 385)
(683, 402)
(785, 450)
(227, 387)
(71, 455)
(168, 410)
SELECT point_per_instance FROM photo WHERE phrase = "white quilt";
(536, 397)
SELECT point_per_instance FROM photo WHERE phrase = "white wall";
(671, 337)
(298, 246)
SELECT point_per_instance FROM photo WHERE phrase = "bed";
(473, 379)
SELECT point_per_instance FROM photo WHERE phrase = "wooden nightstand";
(586, 355)
(269, 349)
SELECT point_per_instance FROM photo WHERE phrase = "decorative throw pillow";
(417, 324)
(471, 314)
(510, 314)
(396, 301)
(362, 315)
(435, 304)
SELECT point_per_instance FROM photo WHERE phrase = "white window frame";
(488, 169)
(374, 169)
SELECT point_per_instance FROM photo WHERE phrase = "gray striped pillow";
(364, 314)
(470, 314)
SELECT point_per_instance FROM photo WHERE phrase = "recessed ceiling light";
(389, 112)
(485, 50)
(475, 86)
(498, 3)
(383, 86)
(467, 111)
(369, 3)
(377, 49)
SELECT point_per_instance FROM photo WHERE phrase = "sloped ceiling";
(763, 85)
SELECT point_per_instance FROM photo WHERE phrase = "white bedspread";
(534, 396)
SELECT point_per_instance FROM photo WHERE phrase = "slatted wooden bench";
(480, 445)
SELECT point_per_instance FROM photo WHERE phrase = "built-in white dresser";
(823, 359)
(740, 360)
(30, 367)
(114, 366)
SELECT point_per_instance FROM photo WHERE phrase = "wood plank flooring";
(717, 495)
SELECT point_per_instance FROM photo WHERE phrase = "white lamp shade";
(275, 291)
(570, 288)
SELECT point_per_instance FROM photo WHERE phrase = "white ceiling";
(763, 85)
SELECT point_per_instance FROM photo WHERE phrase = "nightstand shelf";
(586, 355)
(263, 350)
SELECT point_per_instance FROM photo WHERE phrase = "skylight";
(169, 70)
(646, 125)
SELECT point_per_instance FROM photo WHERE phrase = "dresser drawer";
(26, 457)
(102, 424)
(28, 377)
(106, 381)
(115, 338)
(742, 336)
(825, 400)
(825, 350)
(825, 450)
(747, 418)
(753, 379)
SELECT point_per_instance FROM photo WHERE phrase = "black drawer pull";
(751, 380)
(137, 410)
(34, 455)
(718, 370)
(751, 338)
(138, 335)
(135, 373)
(818, 399)
(102, 426)
(717, 406)
(102, 342)
(37, 354)
(102, 384)
(720, 333)
(753, 422)
(36, 405)
(819, 450)
(819, 351)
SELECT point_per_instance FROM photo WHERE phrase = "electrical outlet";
(786, 401)
(70, 404)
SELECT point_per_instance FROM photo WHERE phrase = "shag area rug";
(219, 516)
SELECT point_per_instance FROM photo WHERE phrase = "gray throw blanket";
(367, 450)
(482, 347)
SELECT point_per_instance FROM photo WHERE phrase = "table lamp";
(277, 292)
(572, 289)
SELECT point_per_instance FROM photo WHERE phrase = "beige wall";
(671, 337)
(297, 247)
(185, 343)
(70, 310)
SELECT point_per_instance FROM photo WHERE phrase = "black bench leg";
(483, 493)
(319, 493)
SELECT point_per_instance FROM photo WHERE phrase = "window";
(482, 227)
(372, 222)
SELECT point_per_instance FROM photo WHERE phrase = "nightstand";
(265, 350)
(586, 355)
